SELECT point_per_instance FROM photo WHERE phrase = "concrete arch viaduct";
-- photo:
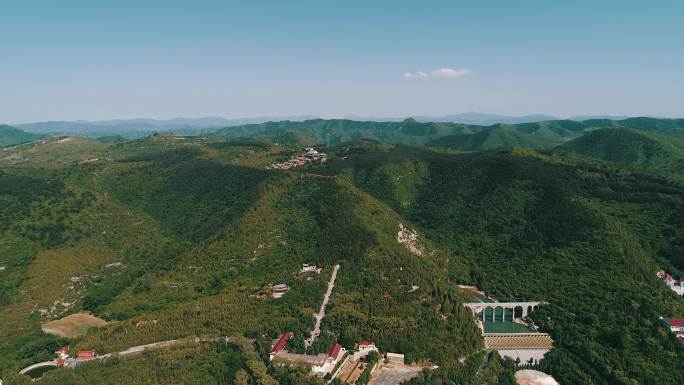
(517, 309)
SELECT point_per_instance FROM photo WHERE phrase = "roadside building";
(85, 355)
(320, 364)
(279, 345)
(63, 352)
(335, 354)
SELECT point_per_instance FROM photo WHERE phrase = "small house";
(63, 352)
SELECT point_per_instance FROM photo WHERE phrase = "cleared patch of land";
(394, 374)
(351, 371)
(73, 326)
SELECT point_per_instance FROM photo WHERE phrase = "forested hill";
(497, 137)
(336, 131)
(539, 135)
(10, 136)
(171, 237)
(659, 151)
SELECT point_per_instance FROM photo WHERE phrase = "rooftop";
(676, 322)
(335, 351)
(518, 341)
(280, 344)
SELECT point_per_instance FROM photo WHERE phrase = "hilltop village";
(310, 156)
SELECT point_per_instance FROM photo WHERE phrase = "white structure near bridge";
(521, 347)
(518, 309)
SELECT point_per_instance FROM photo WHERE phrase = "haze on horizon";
(76, 60)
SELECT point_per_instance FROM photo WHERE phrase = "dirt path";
(321, 312)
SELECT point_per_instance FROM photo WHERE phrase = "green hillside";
(10, 136)
(655, 151)
(336, 131)
(172, 237)
(499, 137)
(538, 135)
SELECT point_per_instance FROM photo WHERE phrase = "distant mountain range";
(135, 128)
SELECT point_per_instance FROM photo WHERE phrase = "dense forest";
(174, 237)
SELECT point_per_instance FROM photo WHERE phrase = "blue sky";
(67, 60)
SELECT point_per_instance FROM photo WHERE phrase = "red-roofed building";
(59, 362)
(279, 346)
(676, 324)
(85, 355)
(335, 354)
(334, 351)
(63, 351)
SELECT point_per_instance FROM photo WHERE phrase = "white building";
(525, 347)
(306, 268)
(321, 364)
(335, 354)
(365, 347)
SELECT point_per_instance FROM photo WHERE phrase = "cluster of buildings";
(310, 156)
(64, 359)
(676, 285)
(322, 363)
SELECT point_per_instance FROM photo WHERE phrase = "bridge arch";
(488, 311)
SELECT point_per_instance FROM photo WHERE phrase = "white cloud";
(419, 74)
(450, 72)
(440, 73)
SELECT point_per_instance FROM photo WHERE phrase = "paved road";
(321, 313)
(71, 362)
